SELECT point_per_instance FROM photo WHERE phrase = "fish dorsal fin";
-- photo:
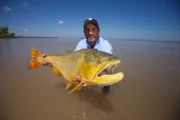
(56, 71)
(68, 51)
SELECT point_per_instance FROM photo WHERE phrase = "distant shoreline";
(34, 37)
(149, 40)
(128, 40)
(26, 37)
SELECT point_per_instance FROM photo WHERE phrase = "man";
(93, 41)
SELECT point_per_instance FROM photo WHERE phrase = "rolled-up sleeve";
(106, 47)
(79, 46)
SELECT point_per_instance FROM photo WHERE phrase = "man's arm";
(106, 47)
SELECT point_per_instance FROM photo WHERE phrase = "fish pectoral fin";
(56, 71)
(68, 85)
(79, 88)
(34, 64)
(76, 88)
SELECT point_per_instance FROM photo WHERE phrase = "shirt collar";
(97, 42)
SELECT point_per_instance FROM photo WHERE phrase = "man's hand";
(78, 79)
(46, 63)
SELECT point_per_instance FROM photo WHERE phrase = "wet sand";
(149, 91)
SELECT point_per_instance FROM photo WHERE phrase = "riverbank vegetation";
(4, 33)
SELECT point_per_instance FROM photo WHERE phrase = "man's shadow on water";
(94, 96)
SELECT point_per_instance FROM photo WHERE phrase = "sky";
(118, 19)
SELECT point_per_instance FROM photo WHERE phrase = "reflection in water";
(94, 97)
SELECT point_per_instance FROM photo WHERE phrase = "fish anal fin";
(68, 85)
(35, 53)
(56, 71)
(76, 88)
(34, 64)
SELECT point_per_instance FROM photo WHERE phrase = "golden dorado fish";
(88, 64)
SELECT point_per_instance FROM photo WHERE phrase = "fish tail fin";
(34, 63)
(35, 53)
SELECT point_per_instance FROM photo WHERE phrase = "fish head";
(98, 68)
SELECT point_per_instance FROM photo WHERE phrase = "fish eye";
(99, 61)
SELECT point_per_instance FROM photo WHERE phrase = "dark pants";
(106, 89)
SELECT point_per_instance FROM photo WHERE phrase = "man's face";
(91, 32)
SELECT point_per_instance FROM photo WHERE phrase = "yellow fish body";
(88, 64)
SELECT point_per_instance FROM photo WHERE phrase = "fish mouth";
(108, 69)
(107, 76)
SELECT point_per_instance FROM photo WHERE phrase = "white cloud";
(8, 9)
(25, 29)
(24, 4)
(60, 22)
